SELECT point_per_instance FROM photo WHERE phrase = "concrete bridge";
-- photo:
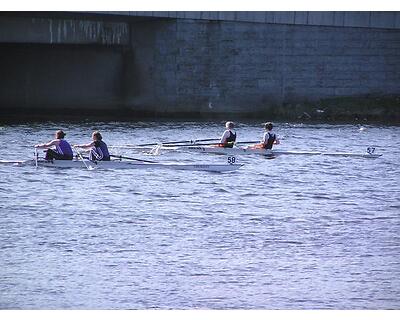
(209, 63)
(364, 19)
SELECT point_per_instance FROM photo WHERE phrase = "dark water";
(295, 232)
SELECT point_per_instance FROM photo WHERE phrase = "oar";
(156, 149)
(36, 158)
(204, 144)
(129, 158)
(175, 142)
(89, 167)
(243, 142)
(185, 145)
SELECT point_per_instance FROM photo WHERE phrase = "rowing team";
(228, 138)
(99, 150)
(63, 150)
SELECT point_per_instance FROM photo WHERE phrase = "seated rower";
(99, 150)
(229, 136)
(269, 138)
(62, 149)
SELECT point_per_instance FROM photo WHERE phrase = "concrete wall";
(53, 63)
(360, 19)
(119, 63)
(62, 31)
(217, 66)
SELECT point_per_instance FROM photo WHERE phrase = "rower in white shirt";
(229, 136)
(269, 138)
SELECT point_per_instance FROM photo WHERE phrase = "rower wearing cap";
(269, 138)
(229, 136)
(62, 149)
(99, 150)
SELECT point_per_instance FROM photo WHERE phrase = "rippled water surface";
(294, 232)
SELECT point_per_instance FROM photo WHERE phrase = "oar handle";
(201, 140)
(243, 142)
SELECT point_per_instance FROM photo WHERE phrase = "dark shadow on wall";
(56, 77)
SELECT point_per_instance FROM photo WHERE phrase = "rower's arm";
(84, 146)
(48, 144)
(264, 140)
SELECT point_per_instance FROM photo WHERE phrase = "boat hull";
(132, 165)
(271, 153)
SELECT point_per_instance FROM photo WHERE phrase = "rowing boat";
(272, 153)
(118, 164)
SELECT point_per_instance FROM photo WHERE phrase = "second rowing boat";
(246, 150)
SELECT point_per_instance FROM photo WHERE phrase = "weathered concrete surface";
(363, 19)
(62, 31)
(225, 67)
(197, 66)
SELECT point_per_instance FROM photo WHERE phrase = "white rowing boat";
(352, 154)
(118, 164)
(272, 153)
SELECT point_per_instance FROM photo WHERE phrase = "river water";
(294, 232)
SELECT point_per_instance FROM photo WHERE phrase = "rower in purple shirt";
(62, 149)
(98, 148)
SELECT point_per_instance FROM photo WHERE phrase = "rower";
(99, 150)
(62, 151)
(269, 138)
(229, 136)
